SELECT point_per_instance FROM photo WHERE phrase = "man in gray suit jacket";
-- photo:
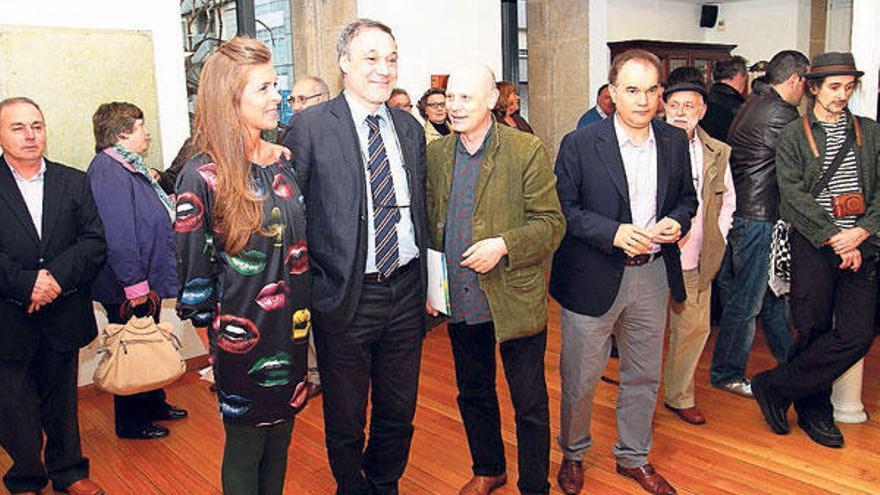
(361, 166)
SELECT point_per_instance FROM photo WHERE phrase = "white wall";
(760, 28)
(162, 17)
(763, 27)
(662, 20)
(435, 37)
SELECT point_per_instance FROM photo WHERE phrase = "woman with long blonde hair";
(243, 263)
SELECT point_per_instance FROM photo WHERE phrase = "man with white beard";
(702, 249)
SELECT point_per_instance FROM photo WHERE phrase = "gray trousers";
(637, 318)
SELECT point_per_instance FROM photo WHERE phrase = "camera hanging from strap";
(851, 138)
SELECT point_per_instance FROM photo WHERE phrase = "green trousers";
(255, 459)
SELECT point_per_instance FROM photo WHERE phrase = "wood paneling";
(734, 454)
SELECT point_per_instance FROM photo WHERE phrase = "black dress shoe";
(774, 407)
(822, 431)
(151, 432)
(171, 413)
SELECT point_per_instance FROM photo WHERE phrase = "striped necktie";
(385, 212)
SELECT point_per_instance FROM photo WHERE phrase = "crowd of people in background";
(307, 259)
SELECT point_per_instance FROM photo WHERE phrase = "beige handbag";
(138, 356)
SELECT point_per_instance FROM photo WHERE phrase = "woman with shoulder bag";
(137, 217)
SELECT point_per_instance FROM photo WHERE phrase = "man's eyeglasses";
(302, 99)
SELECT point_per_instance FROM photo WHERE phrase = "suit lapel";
(663, 164)
(609, 152)
(488, 164)
(53, 190)
(710, 167)
(12, 196)
(349, 144)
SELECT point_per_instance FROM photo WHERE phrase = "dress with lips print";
(255, 304)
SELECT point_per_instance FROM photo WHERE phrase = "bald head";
(470, 98)
(475, 77)
(308, 91)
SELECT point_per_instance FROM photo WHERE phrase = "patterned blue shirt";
(468, 301)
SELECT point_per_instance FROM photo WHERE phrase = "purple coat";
(140, 235)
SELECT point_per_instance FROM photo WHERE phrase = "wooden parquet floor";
(734, 454)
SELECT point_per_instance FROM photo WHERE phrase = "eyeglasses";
(302, 99)
(437, 105)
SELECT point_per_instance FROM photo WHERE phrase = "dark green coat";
(515, 200)
(798, 170)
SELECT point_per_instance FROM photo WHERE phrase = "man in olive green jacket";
(493, 210)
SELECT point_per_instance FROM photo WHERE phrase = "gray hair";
(350, 32)
(19, 99)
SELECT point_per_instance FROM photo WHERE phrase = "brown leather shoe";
(650, 480)
(483, 485)
(570, 477)
(85, 486)
(690, 415)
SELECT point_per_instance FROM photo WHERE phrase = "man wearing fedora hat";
(827, 169)
(703, 247)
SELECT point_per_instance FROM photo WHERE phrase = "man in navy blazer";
(627, 194)
(51, 248)
(361, 166)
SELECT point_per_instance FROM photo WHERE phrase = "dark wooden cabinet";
(674, 54)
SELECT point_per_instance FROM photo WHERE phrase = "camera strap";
(829, 172)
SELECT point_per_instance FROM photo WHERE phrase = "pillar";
(316, 25)
(559, 90)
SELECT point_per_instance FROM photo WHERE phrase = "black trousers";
(473, 349)
(133, 413)
(40, 395)
(833, 312)
(380, 350)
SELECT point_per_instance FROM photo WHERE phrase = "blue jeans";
(743, 284)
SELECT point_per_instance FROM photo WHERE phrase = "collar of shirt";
(461, 149)
(359, 113)
(601, 113)
(623, 138)
(696, 146)
(38, 177)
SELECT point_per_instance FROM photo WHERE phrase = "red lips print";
(297, 259)
(282, 187)
(189, 212)
(273, 296)
(209, 175)
(236, 334)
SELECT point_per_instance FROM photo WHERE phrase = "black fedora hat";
(684, 86)
(833, 64)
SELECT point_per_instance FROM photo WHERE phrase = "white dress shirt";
(640, 165)
(32, 192)
(406, 238)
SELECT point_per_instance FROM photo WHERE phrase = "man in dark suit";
(51, 247)
(626, 191)
(361, 166)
